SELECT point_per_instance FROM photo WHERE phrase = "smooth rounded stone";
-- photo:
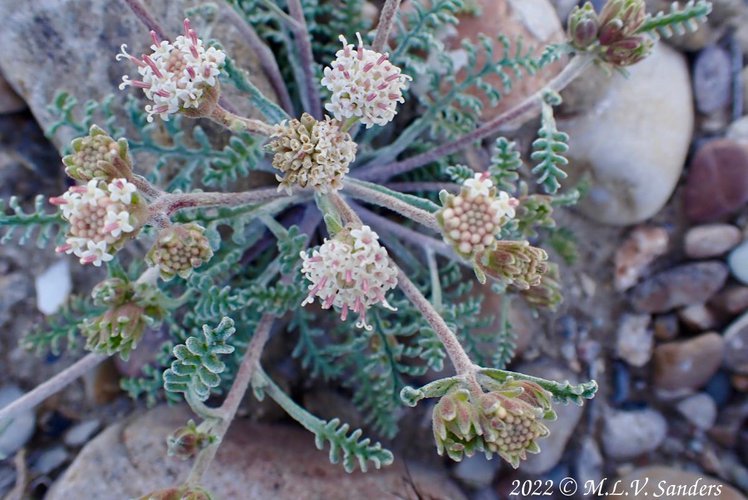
(80, 433)
(717, 181)
(712, 79)
(50, 459)
(642, 246)
(738, 130)
(738, 262)
(634, 142)
(552, 447)
(83, 57)
(129, 459)
(699, 317)
(589, 462)
(666, 327)
(732, 300)
(711, 240)
(674, 484)
(10, 102)
(53, 287)
(688, 364)
(699, 409)
(15, 432)
(476, 471)
(628, 434)
(680, 286)
(634, 339)
(736, 345)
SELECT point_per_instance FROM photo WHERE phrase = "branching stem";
(52, 386)
(146, 18)
(386, 20)
(237, 123)
(364, 193)
(304, 43)
(170, 203)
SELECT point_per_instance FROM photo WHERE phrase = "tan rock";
(643, 245)
(689, 364)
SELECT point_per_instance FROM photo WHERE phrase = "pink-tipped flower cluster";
(102, 217)
(363, 84)
(351, 272)
(472, 220)
(175, 76)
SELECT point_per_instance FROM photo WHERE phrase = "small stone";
(643, 245)
(53, 287)
(50, 460)
(712, 79)
(738, 130)
(635, 161)
(698, 317)
(80, 433)
(666, 482)
(719, 388)
(732, 300)
(738, 262)
(476, 471)
(684, 285)
(739, 382)
(589, 462)
(689, 364)
(666, 327)
(736, 345)
(635, 339)
(14, 432)
(711, 240)
(628, 434)
(699, 409)
(717, 181)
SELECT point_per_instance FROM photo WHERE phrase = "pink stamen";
(140, 84)
(365, 286)
(57, 200)
(382, 58)
(163, 93)
(153, 66)
(206, 72)
(137, 62)
(393, 76)
(371, 97)
(78, 189)
(393, 97)
(161, 109)
(155, 38)
(111, 227)
(193, 37)
(367, 67)
(191, 72)
(383, 86)
(344, 312)
(346, 75)
(360, 52)
(328, 302)
(193, 51)
(187, 26)
(348, 276)
(381, 105)
(88, 259)
(513, 202)
(63, 248)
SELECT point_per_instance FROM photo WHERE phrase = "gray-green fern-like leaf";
(24, 225)
(548, 150)
(198, 366)
(505, 162)
(679, 21)
(460, 173)
(350, 449)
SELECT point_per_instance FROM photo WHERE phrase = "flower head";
(179, 249)
(102, 216)
(363, 84)
(176, 76)
(472, 220)
(515, 263)
(351, 272)
(311, 153)
(98, 156)
(583, 26)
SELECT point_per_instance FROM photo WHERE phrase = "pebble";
(128, 459)
(699, 317)
(49, 460)
(642, 246)
(476, 472)
(80, 433)
(711, 240)
(684, 285)
(738, 130)
(738, 262)
(736, 345)
(628, 434)
(53, 287)
(663, 482)
(699, 409)
(717, 181)
(719, 388)
(732, 300)
(634, 339)
(666, 327)
(16, 432)
(589, 462)
(635, 160)
(688, 364)
(712, 79)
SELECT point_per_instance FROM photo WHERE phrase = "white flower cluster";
(101, 218)
(351, 272)
(175, 75)
(363, 84)
(472, 220)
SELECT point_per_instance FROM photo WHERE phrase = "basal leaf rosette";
(102, 217)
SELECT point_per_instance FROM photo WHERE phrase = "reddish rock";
(717, 182)
(684, 285)
(688, 365)
(732, 300)
(643, 245)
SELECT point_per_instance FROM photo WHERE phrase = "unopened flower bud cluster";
(179, 249)
(98, 156)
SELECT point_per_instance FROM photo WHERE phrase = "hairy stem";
(386, 20)
(230, 405)
(237, 123)
(409, 187)
(304, 43)
(530, 105)
(460, 360)
(146, 18)
(145, 187)
(362, 192)
(170, 203)
(52, 386)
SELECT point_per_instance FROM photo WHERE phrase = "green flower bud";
(515, 263)
(621, 19)
(98, 156)
(112, 291)
(187, 441)
(583, 26)
(179, 249)
(548, 293)
(456, 426)
(628, 51)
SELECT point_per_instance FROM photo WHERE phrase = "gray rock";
(712, 79)
(684, 285)
(736, 345)
(634, 339)
(53, 287)
(628, 434)
(50, 459)
(129, 459)
(711, 240)
(80, 433)
(53, 45)
(634, 141)
(15, 432)
(589, 462)
(738, 262)
(476, 471)
(699, 409)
